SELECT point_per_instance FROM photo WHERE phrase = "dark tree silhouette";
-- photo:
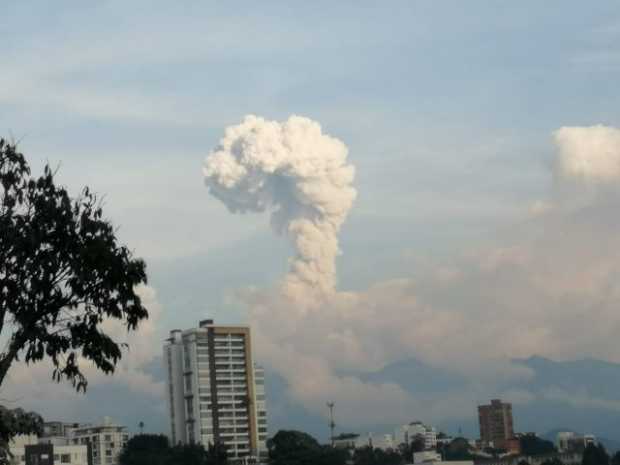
(595, 455)
(154, 449)
(369, 456)
(533, 445)
(62, 274)
(458, 449)
(146, 449)
(13, 422)
(298, 448)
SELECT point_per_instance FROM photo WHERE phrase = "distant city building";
(215, 393)
(565, 458)
(568, 441)
(59, 429)
(427, 456)
(382, 441)
(443, 439)
(59, 433)
(496, 426)
(406, 434)
(349, 441)
(431, 457)
(354, 441)
(105, 441)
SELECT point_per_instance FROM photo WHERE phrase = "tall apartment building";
(496, 427)
(215, 393)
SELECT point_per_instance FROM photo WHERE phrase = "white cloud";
(588, 153)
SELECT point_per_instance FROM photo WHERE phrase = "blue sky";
(447, 109)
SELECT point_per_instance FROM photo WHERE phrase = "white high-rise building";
(407, 433)
(216, 395)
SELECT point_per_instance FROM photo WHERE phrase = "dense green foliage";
(13, 422)
(298, 448)
(595, 455)
(553, 461)
(151, 449)
(370, 456)
(62, 275)
(17, 421)
(457, 449)
(533, 445)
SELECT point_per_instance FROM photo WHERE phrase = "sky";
(475, 221)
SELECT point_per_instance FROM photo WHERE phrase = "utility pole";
(332, 425)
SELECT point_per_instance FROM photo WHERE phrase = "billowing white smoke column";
(588, 153)
(302, 176)
(541, 283)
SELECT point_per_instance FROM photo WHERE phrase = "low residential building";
(34, 453)
(427, 456)
(59, 429)
(106, 441)
(354, 441)
(565, 458)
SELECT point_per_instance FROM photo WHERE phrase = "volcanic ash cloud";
(301, 176)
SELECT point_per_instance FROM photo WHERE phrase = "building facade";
(105, 441)
(568, 441)
(30, 450)
(215, 393)
(353, 441)
(406, 434)
(496, 426)
(565, 458)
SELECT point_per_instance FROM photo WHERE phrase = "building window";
(65, 458)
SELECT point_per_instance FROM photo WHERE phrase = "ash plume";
(301, 176)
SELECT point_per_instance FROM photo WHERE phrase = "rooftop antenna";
(332, 425)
